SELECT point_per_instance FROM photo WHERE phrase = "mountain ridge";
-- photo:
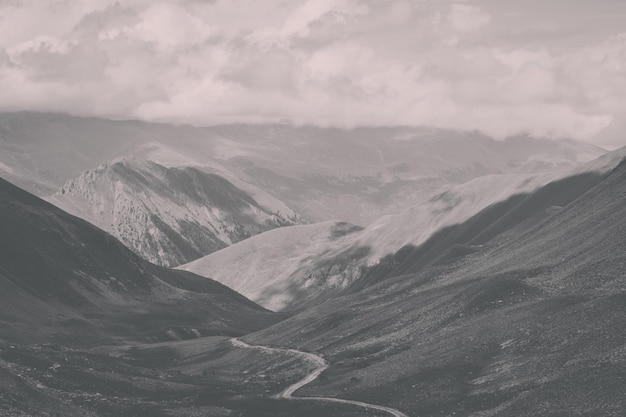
(168, 215)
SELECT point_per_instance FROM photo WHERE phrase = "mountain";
(295, 267)
(526, 318)
(63, 280)
(166, 215)
(272, 267)
(353, 175)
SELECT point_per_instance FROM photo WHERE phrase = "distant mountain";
(65, 281)
(40, 152)
(353, 175)
(169, 216)
(358, 175)
(522, 316)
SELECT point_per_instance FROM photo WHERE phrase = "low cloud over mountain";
(528, 67)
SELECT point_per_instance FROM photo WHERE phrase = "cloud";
(327, 62)
(50, 59)
(169, 26)
(466, 18)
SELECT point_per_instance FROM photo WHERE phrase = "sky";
(553, 68)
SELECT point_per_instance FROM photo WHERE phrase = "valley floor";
(200, 377)
(321, 366)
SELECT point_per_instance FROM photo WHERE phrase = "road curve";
(320, 365)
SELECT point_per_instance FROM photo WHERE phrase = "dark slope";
(463, 239)
(530, 323)
(63, 279)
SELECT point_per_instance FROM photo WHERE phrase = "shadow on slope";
(457, 241)
(63, 279)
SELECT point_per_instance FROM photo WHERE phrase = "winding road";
(320, 365)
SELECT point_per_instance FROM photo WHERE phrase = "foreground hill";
(166, 215)
(62, 279)
(524, 320)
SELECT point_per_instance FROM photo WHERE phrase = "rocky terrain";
(169, 216)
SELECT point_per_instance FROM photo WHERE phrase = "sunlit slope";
(267, 268)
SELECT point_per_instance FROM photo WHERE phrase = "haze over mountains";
(452, 274)
(291, 175)
(306, 167)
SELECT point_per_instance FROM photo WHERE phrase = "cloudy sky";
(545, 67)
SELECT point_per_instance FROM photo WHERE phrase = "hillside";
(64, 280)
(286, 276)
(267, 267)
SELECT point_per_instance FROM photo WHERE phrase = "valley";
(312, 208)
(498, 290)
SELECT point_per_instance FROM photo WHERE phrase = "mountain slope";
(168, 216)
(329, 266)
(265, 267)
(527, 322)
(63, 279)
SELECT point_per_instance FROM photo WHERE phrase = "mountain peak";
(168, 215)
